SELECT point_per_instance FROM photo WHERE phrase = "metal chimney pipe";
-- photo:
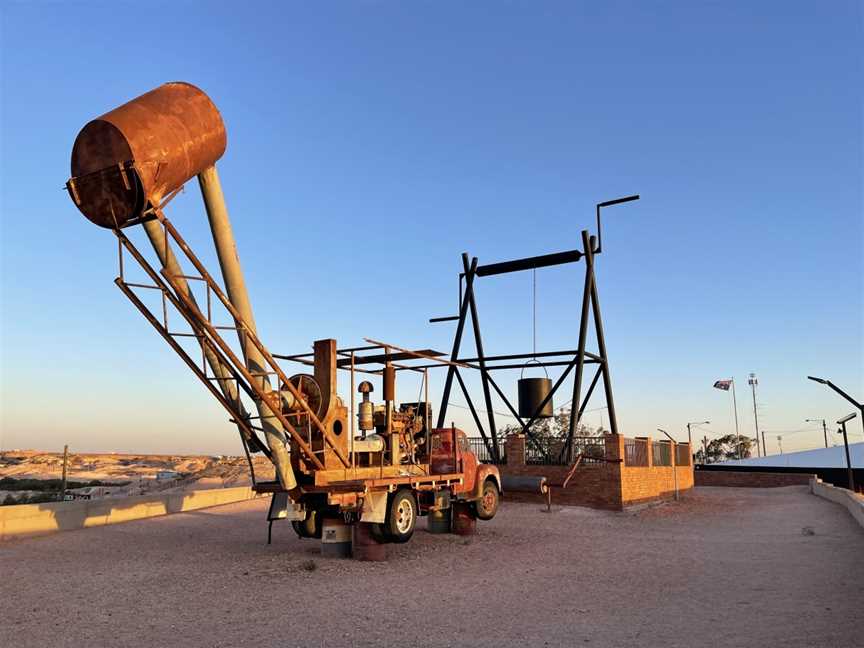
(235, 287)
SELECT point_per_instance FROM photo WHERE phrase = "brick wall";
(751, 479)
(641, 484)
(611, 485)
(646, 484)
(594, 485)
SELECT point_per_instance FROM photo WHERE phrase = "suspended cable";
(534, 278)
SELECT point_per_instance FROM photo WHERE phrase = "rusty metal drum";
(438, 518)
(438, 521)
(365, 545)
(464, 520)
(138, 154)
(335, 538)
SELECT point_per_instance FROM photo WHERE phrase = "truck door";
(442, 453)
(467, 463)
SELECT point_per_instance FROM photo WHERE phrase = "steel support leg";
(478, 341)
(457, 341)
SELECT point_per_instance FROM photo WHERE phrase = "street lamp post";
(859, 406)
(849, 476)
(673, 452)
(824, 427)
(753, 382)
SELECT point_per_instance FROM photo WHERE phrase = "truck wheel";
(401, 517)
(311, 527)
(487, 506)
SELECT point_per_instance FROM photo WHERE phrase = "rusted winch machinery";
(338, 475)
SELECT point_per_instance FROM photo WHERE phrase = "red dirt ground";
(723, 567)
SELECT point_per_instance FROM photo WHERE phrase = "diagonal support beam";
(566, 450)
(583, 336)
(601, 344)
(457, 341)
(478, 341)
(506, 401)
(474, 414)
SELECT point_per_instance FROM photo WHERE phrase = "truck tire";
(401, 516)
(311, 527)
(487, 506)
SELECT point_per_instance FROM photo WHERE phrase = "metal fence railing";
(478, 446)
(551, 451)
(662, 451)
(592, 449)
(635, 452)
(544, 452)
(682, 454)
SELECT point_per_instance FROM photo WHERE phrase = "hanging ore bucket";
(532, 392)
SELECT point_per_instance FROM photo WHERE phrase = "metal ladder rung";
(138, 285)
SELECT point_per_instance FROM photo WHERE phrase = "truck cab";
(450, 452)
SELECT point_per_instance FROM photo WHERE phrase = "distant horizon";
(240, 455)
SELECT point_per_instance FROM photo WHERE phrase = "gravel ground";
(723, 567)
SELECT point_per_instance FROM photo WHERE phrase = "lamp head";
(847, 418)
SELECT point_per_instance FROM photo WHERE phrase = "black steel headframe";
(579, 357)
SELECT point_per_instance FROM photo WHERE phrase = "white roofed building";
(834, 457)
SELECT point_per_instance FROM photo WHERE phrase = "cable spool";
(533, 391)
(308, 388)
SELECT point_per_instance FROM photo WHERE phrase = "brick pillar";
(613, 482)
(649, 449)
(514, 450)
(614, 446)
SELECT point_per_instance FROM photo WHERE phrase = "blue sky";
(369, 144)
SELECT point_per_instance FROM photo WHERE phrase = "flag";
(723, 384)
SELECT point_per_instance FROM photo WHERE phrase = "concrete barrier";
(23, 520)
(854, 503)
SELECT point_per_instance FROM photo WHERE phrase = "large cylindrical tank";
(525, 484)
(142, 151)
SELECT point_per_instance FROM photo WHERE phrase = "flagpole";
(735, 407)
